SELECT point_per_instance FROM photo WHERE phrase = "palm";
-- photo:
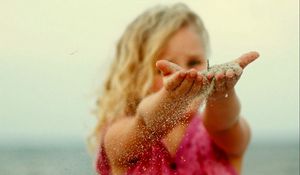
(223, 77)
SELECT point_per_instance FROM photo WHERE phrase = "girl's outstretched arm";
(157, 114)
(222, 112)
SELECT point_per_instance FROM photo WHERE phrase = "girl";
(149, 121)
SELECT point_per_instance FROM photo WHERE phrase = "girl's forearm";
(161, 113)
(156, 115)
(222, 112)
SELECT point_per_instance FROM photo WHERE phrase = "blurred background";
(55, 54)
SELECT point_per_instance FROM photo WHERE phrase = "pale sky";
(54, 54)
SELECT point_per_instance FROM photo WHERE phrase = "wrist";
(222, 95)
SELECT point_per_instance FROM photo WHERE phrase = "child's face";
(184, 49)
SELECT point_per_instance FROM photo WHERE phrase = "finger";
(175, 80)
(238, 71)
(219, 75)
(167, 67)
(247, 58)
(220, 82)
(210, 75)
(229, 73)
(197, 86)
(187, 83)
(231, 79)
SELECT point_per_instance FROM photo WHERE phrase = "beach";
(262, 158)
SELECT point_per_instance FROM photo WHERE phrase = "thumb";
(247, 58)
(167, 67)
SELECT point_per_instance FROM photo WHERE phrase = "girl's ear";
(167, 67)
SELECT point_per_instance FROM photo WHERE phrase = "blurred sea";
(262, 158)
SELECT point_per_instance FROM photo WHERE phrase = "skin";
(163, 115)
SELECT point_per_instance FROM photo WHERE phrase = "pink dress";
(196, 155)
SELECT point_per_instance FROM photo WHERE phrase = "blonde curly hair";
(132, 72)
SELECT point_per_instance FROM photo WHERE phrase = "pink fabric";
(196, 155)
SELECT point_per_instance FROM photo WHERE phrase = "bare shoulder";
(124, 141)
(115, 128)
(122, 127)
